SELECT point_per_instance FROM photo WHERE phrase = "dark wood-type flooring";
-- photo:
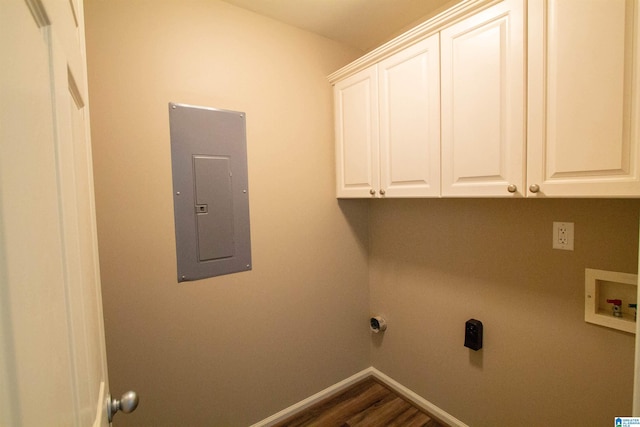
(365, 404)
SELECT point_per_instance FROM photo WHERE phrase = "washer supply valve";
(635, 310)
(617, 307)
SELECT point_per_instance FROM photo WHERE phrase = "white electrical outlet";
(563, 235)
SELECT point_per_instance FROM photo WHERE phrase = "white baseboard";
(344, 384)
(310, 401)
(417, 400)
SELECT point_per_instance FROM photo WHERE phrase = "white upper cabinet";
(409, 99)
(483, 103)
(388, 126)
(357, 149)
(583, 98)
(495, 99)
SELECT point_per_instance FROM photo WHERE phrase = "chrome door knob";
(512, 188)
(127, 404)
(534, 188)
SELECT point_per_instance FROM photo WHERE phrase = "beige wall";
(232, 350)
(436, 263)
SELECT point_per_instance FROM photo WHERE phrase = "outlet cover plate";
(563, 235)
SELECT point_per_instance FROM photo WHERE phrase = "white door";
(52, 354)
(409, 95)
(483, 103)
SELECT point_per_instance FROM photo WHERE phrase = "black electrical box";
(473, 334)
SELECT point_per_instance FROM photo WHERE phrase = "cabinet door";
(357, 158)
(483, 83)
(583, 98)
(409, 92)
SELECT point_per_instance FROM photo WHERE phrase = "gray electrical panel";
(210, 191)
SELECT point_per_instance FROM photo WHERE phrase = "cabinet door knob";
(534, 188)
(382, 192)
(512, 188)
(372, 192)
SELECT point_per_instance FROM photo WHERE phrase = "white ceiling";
(363, 24)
